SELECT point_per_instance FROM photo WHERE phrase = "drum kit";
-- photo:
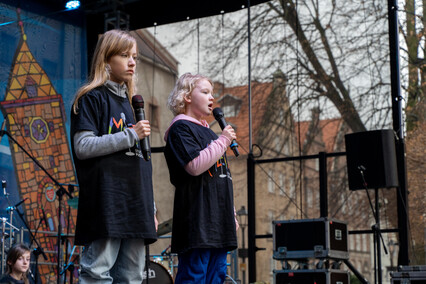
(160, 270)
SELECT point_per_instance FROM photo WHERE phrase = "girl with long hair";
(17, 265)
(116, 217)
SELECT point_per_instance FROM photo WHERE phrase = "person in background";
(17, 265)
(204, 224)
(116, 217)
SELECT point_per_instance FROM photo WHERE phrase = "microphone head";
(137, 101)
(217, 113)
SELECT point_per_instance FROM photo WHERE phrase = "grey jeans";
(107, 261)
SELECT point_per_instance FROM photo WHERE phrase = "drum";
(157, 274)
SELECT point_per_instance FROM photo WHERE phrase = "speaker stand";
(378, 275)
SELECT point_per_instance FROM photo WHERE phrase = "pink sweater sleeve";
(208, 156)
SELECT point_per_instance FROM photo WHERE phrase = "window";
(154, 117)
(364, 242)
(292, 188)
(281, 116)
(230, 105)
(229, 111)
(271, 185)
(281, 180)
(309, 197)
(344, 203)
(358, 242)
(286, 148)
(271, 217)
(277, 144)
(152, 113)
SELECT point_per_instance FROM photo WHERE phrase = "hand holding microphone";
(229, 133)
(142, 127)
(219, 116)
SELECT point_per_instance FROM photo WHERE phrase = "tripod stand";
(378, 276)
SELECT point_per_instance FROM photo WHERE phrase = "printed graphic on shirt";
(114, 124)
(221, 167)
(120, 125)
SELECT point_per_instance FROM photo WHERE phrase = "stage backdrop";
(43, 61)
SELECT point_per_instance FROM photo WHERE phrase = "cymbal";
(165, 227)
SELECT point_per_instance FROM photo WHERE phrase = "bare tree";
(413, 31)
(330, 50)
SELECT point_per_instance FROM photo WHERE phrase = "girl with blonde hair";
(115, 218)
(204, 224)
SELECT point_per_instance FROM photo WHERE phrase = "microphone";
(361, 168)
(3, 184)
(218, 115)
(138, 104)
(15, 207)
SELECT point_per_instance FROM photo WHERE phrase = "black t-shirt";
(203, 213)
(7, 279)
(116, 196)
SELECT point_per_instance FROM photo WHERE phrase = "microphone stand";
(36, 252)
(70, 266)
(60, 192)
(67, 241)
(147, 262)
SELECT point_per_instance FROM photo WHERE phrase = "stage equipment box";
(314, 276)
(310, 238)
(409, 275)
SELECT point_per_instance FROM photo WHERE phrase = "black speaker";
(371, 159)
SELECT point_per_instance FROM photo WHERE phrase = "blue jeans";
(202, 266)
(113, 261)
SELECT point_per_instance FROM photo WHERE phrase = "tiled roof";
(259, 94)
(329, 130)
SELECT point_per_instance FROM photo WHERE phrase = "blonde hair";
(111, 43)
(183, 88)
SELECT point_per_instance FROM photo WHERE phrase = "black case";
(317, 276)
(310, 238)
(409, 275)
